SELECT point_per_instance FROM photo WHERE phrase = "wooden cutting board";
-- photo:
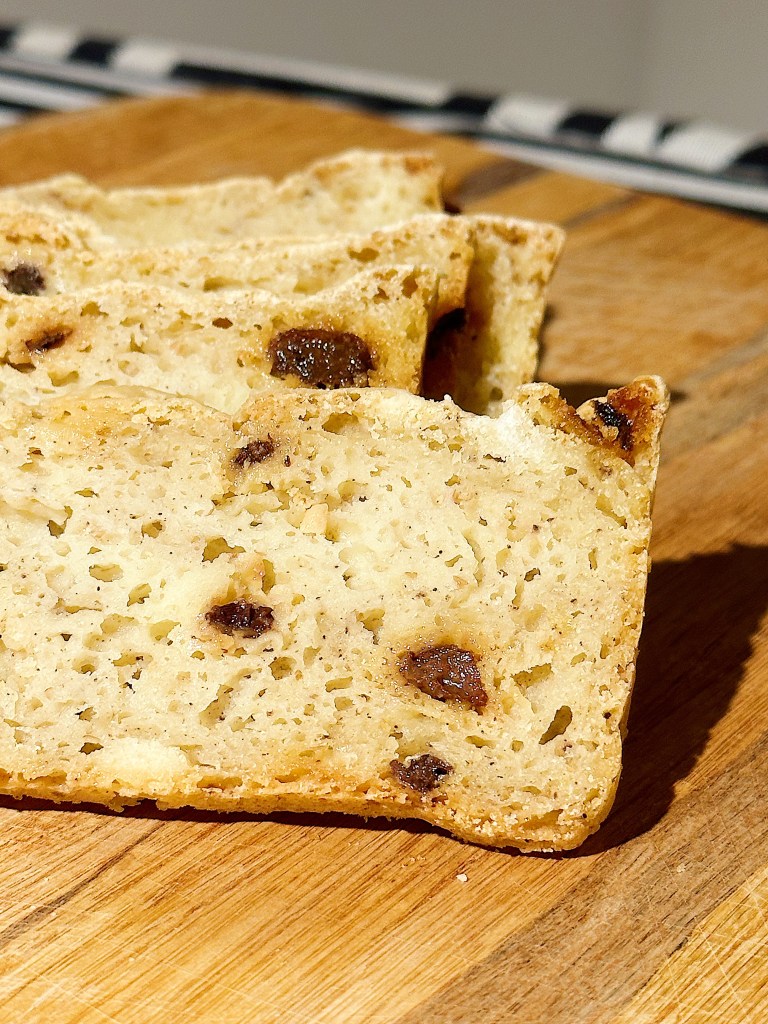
(661, 917)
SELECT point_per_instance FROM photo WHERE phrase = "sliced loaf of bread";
(493, 274)
(44, 255)
(356, 601)
(355, 191)
(369, 331)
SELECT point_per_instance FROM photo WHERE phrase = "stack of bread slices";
(285, 524)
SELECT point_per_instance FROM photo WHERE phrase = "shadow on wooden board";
(700, 616)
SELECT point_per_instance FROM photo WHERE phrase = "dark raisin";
(24, 279)
(421, 773)
(254, 451)
(287, 460)
(241, 617)
(611, 417)
(446, 673)
(321, 358)
(48, 339)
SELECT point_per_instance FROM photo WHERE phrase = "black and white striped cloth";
(49, 68)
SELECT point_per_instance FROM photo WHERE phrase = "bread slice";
(480, 357)
(219, 349)
(493, 276)
(45, 255)
(355, 191)
(356, 601)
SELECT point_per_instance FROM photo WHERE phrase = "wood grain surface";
(661, 917)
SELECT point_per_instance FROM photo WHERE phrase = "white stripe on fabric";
(46, 96)
(9, 116)
(528, 115)
(630, 175)
(96, 77)
(145, 57)
(633, 134)
(380, 83)
(704, 147)
(46, 42)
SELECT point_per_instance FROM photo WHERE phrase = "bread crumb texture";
(218, 349)
(297, 609)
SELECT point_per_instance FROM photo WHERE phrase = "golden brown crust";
(629, 420)
(528, 835)
(625, 423)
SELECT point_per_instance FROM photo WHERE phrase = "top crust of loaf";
(234, 610)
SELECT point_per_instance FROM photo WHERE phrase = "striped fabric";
(49, 68)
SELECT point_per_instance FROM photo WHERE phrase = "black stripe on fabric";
(751, 166)
(666, 130)
(586, 122)
(467, 103)
(25, 108)
(52, 80)
(205, 75)
(756, 157)
(94, 51)
(6, 36)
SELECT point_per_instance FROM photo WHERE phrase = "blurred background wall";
(683, 58)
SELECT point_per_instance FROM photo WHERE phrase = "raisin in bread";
(355, 191)
(356, 601)
(45, 255)
(369, 331)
